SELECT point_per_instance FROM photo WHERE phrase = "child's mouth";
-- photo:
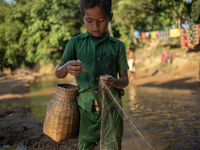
(96, 32)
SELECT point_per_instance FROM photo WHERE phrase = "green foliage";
(15, 17)
(34, 30)
(195, 11)
(128, 14)
(53, 23)
(38, 30)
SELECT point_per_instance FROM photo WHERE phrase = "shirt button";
(97, 58)
(95, 91)
(97, 78)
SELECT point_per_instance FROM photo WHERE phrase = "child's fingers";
(107, 79)
(74, 63)
(74, 73)
(75, 68)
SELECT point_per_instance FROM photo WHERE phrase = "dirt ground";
(16, 127)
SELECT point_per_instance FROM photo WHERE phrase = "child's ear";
(110, 17)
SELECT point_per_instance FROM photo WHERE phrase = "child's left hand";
(108, 80)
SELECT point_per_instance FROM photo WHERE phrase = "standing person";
(131, 63)
(91, 57)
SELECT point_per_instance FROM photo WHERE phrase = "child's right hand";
(74, 67)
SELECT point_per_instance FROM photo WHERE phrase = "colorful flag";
(164, 35)
(199, 31)
(157, 33)
(183, 39)
(143, 35)
(196, 34)
(147, 34)
(153, 35)
(174, 33)
(190, 37)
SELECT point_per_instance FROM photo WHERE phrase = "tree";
(3, 10)
(53, 23)
(127, 14)
(16, 15)
(195, 11)
(36, 30)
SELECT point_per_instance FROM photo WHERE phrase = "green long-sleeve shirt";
(107, 56)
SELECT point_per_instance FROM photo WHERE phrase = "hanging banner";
(183, 39)
(157, 33)
(174, 33)
(153, 35)
(147, 34)
(164, 35)
(190, 37)
(196, 34)
(143, 35)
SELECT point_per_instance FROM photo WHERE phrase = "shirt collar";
(107, 35)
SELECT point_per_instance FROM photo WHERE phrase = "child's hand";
(107, 80)
(74, 67)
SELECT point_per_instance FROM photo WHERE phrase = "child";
(92, 57)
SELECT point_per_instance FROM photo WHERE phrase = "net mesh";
(115, 122)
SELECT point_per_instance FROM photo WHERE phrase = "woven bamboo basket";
(62, 115)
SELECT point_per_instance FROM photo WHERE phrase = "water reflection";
(170, 117)
(132, 98)
(39, 94)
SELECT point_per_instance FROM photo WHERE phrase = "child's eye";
(101, 20)
(89, 21)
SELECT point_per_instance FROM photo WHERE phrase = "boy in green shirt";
(92, 57)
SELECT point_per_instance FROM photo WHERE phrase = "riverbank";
(17, 127)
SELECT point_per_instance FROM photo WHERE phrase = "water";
(170, 117)
(13, 147)
(39, 94)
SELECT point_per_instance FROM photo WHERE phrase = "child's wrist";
(65, 66)
(114, 81)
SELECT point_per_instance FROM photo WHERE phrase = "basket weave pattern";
(62, 115)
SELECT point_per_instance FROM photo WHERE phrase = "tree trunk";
(134, 39)
(179, 23)
(154, 14)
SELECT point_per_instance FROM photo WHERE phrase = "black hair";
(104, 4)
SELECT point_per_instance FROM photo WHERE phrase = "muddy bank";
(17, 127)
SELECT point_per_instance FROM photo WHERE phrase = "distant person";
(92, 57)
(166, 60)
(166, 57)
(131, 62)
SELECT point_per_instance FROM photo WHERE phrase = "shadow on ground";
(176, 84)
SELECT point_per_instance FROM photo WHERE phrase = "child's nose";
(96, 24)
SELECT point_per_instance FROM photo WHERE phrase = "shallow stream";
(170, 117)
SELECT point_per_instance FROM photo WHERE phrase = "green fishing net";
(115, 123)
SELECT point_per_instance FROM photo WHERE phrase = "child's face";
(96, 21)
